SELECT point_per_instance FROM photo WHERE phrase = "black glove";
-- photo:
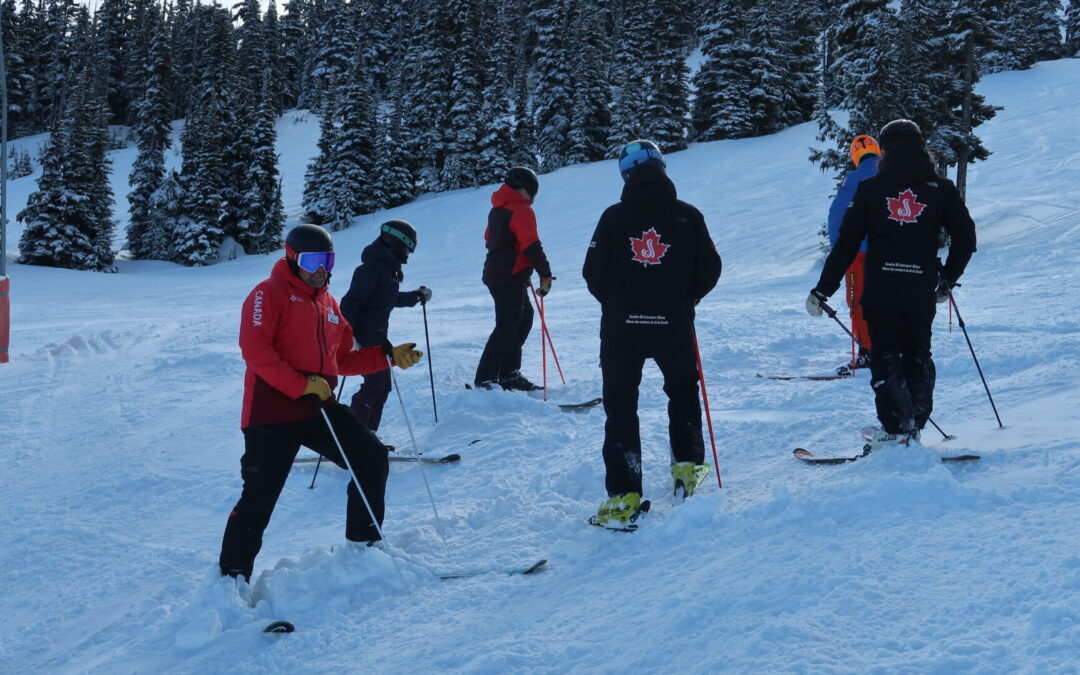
(423, 295)
(813, 302)
(944, 289)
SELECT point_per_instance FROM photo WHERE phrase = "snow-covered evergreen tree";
(272, 42)
(115, 41)
(589, 115)
(667, 104)
(553, 87)
(428, 66)
(69, 218)
(629, 76)
(869, 76)
(459, 168)
(1072, 29)
(260, 222)
(151, 128)
(294, 51)
(723, 83)
(393, 181)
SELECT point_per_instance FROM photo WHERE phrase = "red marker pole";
(708, 415)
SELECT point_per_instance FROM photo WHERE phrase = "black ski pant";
(621, 365)
(269, 451)
(902, 371)
(368, 402)
(513, 322)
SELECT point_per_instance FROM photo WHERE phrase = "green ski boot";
(620, 512)
(687, 477)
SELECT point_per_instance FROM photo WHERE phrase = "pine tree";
(351, 172)
(261, 220)
(589, 115)
(496, 119)
(427, 68)
(394, 184)
(724, 81)
(668, 102)
(151, 128)
(629, 77)
(333, 47)
(184, 29)
(68, 219)
(553, 86)
(1072, 29)
(55, 61)
(272, 46)
(294, 51)
(198, 234)
(459, 167)
(522, 150)
(969, 31)
(52, 235)
(114, 42)
(868, 73)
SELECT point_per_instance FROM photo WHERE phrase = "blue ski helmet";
(639, 153)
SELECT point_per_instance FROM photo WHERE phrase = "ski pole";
(708, 414)
(543, 326)
(960, 322)
(431, 373)
(832, 315)
(419, 455)
(367, 504)
(315, 475)
(543, 353)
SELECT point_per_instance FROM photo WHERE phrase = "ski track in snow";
(120, 432)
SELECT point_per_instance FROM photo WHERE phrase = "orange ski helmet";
(863, 145)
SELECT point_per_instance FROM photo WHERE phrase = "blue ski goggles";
(310, 262)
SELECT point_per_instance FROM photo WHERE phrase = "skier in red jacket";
(514, 251)
(295, 343)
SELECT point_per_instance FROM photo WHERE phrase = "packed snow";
(121, 440)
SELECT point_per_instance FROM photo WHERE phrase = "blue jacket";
(373, 294)
(844, 196)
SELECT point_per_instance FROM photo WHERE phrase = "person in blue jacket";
(373, 294)
(864, 154)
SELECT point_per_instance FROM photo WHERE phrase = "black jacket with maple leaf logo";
(649, 262)
(899, 212)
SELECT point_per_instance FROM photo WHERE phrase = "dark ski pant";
(368, 402)
(621, 365)
(902, 371)
(513, 322)
(269, 451)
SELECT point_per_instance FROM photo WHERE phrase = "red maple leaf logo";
(648, 250)
(905, 208)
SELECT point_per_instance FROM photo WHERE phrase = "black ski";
(631, 525)
(279, 627)
(592, 403)
(447, 459)
(804, 377)
(810, 458)
(530, 569)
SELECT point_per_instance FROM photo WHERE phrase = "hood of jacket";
(648, 185)
(378, 253)
(906, 163)
(505, 196)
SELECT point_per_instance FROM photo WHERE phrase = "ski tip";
(536, 567)
(475, 441)
(591, 403)
(961, 458)
(802, 454)
(279, 627)
(451, 458)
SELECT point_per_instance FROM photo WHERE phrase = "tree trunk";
(965, 115)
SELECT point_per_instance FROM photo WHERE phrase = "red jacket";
(288, 331)
(512, 241)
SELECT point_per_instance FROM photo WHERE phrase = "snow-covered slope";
(119, 428)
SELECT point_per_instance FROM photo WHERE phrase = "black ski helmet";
(639, 153)
(400, 237)
(523, 177)
(900, 131)
(306, 239)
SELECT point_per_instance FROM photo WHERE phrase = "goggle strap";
(401, 236)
